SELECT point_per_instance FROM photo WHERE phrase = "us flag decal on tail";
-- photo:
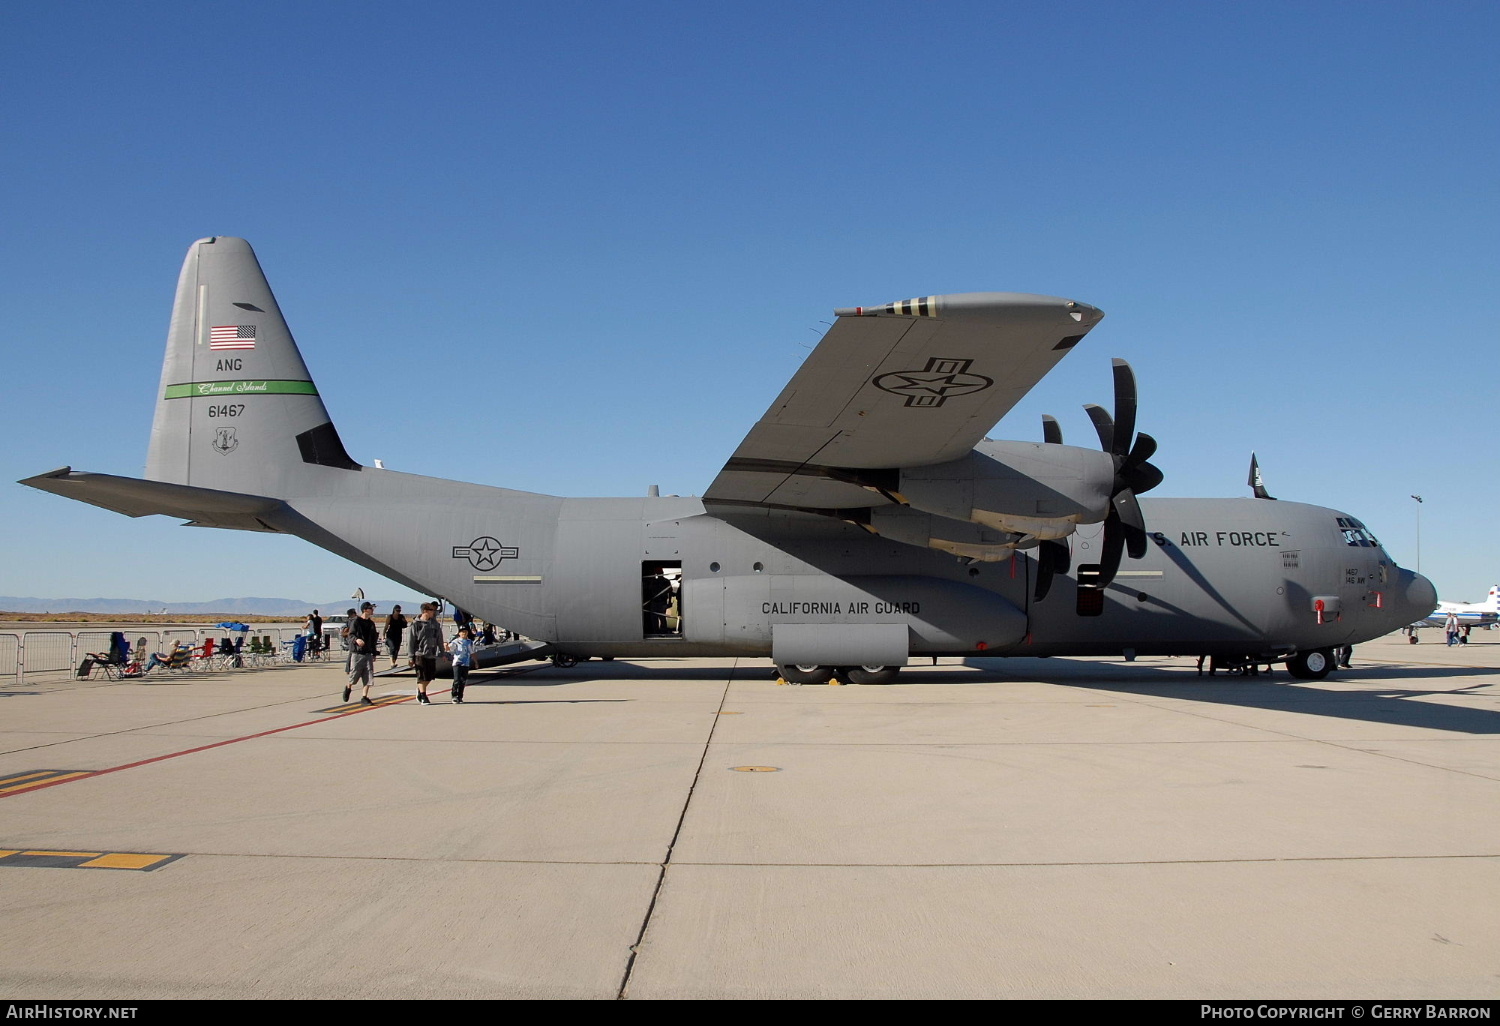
(232, 336)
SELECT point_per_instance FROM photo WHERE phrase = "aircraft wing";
(906, 384)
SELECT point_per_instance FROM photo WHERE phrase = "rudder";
(237, 409)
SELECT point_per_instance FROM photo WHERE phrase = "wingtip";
(48, 476)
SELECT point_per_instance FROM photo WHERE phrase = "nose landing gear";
(1311, 665)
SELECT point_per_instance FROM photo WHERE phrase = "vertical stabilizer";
(237, 409)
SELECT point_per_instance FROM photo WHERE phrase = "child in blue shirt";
(462, 650)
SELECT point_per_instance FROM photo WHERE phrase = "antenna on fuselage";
(1256, 482)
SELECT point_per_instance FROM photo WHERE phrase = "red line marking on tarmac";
(201, 748)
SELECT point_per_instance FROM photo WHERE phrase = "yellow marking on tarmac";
(27, 776)
(349, 707)
(756, 769)
(132, 860)
(23, 781)
(123, 860)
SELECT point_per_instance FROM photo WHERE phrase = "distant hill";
(228, 606)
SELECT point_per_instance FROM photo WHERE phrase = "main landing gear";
(804, 674)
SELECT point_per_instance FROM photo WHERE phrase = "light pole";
(1419, 532)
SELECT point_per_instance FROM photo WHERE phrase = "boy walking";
(462, 650)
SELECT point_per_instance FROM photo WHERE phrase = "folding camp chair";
(204, 654)
(229, 652)
(112, 661)
(135, 662)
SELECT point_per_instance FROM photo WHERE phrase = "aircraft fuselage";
(1242, 577)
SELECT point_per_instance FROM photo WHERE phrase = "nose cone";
(1414, 595)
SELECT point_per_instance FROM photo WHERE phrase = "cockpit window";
(1357, 534)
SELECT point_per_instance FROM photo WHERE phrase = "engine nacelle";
(1034, 489)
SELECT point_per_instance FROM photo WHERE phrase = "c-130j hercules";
(864, 520)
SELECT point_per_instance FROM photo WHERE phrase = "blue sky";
(579, 248)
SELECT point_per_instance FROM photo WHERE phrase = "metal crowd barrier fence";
(57, 653)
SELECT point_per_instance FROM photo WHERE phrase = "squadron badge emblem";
(225, 441)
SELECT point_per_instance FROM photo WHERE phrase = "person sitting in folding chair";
(177, 659)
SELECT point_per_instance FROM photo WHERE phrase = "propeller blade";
(1140, 479)
(1143, 449)
(1132, 524)
(1125, 403)
(1103, 423)
(1051, 430)
(1043, 576)
(1114, 548)
(1051, 559)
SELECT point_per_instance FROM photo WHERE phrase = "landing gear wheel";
(806, 674)
(1312, 665)
(1412, 638)
(564, 662)
(870, 674)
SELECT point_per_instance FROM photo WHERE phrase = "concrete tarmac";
(1036, 828)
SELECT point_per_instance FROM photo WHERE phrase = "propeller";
(1124, 527)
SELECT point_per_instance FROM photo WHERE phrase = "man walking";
(425, 645)
(363, 640)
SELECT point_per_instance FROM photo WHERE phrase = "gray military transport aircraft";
(866, 519)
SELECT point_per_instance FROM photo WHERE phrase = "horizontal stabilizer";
(202, 507)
